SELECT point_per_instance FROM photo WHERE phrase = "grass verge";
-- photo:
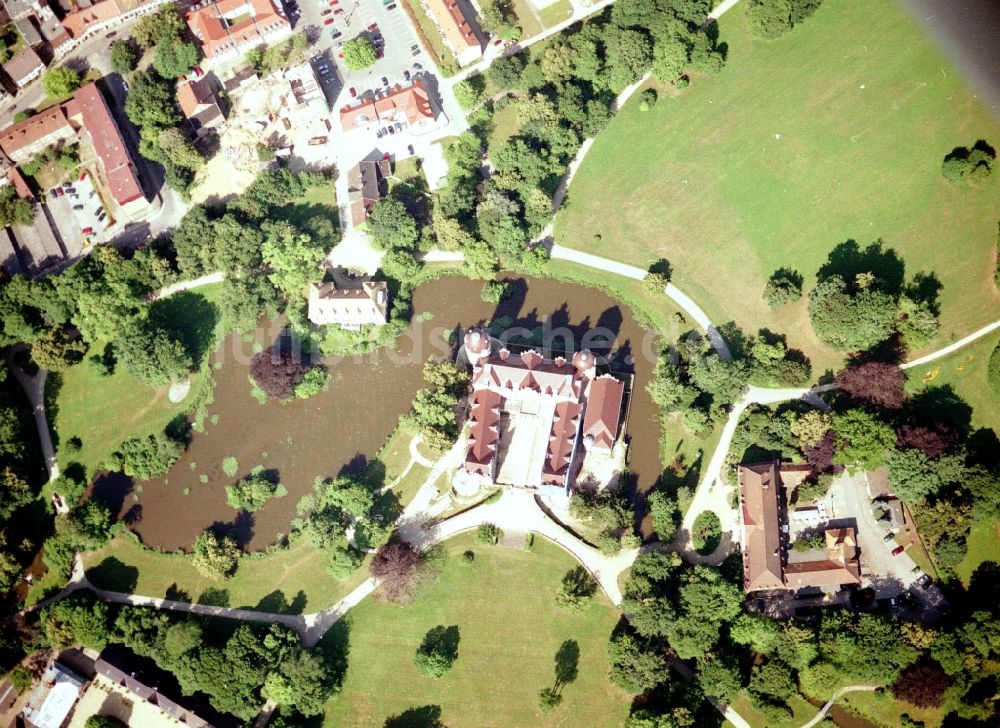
(288, 581)
(510, 630)
(834, 132)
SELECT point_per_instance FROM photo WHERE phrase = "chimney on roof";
(559, 361)
(504, 354)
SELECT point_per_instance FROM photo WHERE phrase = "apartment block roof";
(79, 22)
(25, 63)
(34, 129)
(210, 23)
(119, 170)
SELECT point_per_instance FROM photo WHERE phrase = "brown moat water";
(342, 428)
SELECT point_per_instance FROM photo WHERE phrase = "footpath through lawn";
(834, 132)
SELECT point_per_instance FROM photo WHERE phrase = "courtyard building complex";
(765, 490)
(228, 27)
(530, 416)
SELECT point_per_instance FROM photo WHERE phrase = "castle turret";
(477, 345)
(585, 363)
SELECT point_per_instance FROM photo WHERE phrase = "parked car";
(324, 71)
(898, 550)
(334, 2)
(53, 194)
(406, 75)
(391, 7)
(353, 91)
(887, 538)
(373, 27)
(326, 12)
(338, 11)
(391, 130)
(101, 215)
(923, 582)
(87, 231)
(77, 207)
(414, 47)
(418, 66)
(59, 191)
(385, 81)
(336, 34)
(328, 21)
(378, 134)
(415, 53)
(379, 54)
(498, 41)
(409, 148)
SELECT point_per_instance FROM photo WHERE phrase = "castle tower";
(477, 345)
(585, 363)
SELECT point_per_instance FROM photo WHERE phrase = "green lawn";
(317, 201)
(965, 372)
(801, 709)
(505, 125)
(832, 133)
(556, 13)
(503, 605)
(103, 411)
(292, 580)
(527, 18)
(886, 712)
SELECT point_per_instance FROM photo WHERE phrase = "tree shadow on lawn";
(277, 603)
(942, 405)
(848, 259)
(190, 318)
(114, 575)
(427, 716)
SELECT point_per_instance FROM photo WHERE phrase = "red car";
(353, 91)
(328, 21)
(373, 27)
(898, 550)
(334, 2)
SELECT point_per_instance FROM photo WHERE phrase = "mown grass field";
(104, 411)
(510, 629)
(834, 132)
(965, 372)
(290, 581)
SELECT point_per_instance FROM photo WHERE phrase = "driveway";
(889, 575)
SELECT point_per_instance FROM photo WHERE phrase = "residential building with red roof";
(24, 140)
(457, 31)
(405, 105)
(224, 27)
(24, 68)
(200, 104)
(530, 413)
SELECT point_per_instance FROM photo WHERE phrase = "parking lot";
(392, 33)
(79, 208)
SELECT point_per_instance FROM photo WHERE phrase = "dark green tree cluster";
(326, 514)
(14, 210)
(434, 409)
(85, 528)
(773, 18)
(252, 492)
(972, 165)
(784, 286)
(237, 238)
(694, 381)
(238, 669)
(438, 651)
(124, 57)
(609, 512)
(859, 301)
(151, 101)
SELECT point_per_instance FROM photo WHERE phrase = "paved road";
(836, 696)
(951, 348)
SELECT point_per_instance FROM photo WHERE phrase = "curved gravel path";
(836, 696)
